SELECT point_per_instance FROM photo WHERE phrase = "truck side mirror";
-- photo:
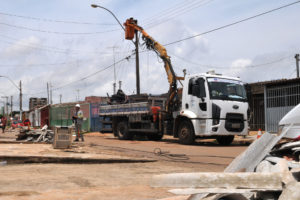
(201, 83)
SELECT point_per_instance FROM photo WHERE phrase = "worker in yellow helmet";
(78, 119)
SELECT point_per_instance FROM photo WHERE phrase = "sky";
(73, 47)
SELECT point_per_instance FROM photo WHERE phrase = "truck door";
(197, 97)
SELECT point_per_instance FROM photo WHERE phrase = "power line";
(176, 9)
(86, 77)
(55, 32)
(56, 21)
(231, 24)
(177, 13)
(50, 48)
(219, 67)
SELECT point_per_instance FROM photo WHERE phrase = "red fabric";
(155, 110)
(3, 121)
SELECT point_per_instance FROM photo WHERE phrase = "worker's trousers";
(78, 131)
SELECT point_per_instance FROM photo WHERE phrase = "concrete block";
(245, 180)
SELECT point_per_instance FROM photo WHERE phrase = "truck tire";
(186, 133)
(155, 137)
(122, 131)
(225, 139)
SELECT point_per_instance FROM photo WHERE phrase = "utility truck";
(207, 105)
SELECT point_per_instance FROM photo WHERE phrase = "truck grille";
(234, 122)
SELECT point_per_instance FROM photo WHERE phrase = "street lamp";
(20, 90)
(97, 6)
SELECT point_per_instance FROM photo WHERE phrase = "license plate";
(236, 126)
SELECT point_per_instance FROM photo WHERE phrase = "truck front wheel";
(122, 131)
(225, 139)
(186, 132)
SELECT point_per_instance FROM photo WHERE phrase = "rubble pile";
(37, 135)
(269, 169)
(287, 153)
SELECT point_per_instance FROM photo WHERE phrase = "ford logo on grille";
(235, 107)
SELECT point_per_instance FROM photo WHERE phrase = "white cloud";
(238, 67)
(22, 47)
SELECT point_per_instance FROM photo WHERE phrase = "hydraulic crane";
(130, 28)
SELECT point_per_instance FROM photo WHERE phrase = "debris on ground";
(269, 169)
(36, 135)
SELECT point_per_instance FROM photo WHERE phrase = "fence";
(257, 119)
(279, 101)
(61, 115)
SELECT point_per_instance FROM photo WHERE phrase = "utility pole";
(77, 99)
(137, 63)
(11, 106)
(114, 84)
(297, 64)
(6, 107)
(51, 102)
(21, 101)
(120, 85)
(60, 96)
(48, 93)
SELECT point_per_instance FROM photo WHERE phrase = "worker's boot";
(76, 140)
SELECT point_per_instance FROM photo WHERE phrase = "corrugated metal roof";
(273, 82)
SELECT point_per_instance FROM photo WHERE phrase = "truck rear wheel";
(186, 132)
(122, 131)
(225, 139)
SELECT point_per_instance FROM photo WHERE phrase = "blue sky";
(66, 58)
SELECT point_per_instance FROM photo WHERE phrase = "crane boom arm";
(130, 27)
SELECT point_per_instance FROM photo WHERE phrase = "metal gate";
(279, 101)
(257, 119)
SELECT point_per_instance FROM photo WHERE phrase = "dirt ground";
(120, 181)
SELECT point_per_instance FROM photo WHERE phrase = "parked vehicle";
(208, 105)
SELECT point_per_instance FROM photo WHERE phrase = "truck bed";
(125, 109)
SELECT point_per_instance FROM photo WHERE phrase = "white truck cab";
(214, 106)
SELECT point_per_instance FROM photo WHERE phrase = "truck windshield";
(226, 89)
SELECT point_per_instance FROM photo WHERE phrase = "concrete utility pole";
(77, 98)
(20, 88)
(120, 85)
(11, 106)
(48, 93)
(60, 96)
(137, 63)
(297, 64)
(115, 78)
(51, 102)
(6, 107)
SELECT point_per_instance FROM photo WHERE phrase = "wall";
(45, 116)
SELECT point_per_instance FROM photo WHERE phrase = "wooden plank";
(245, 180)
